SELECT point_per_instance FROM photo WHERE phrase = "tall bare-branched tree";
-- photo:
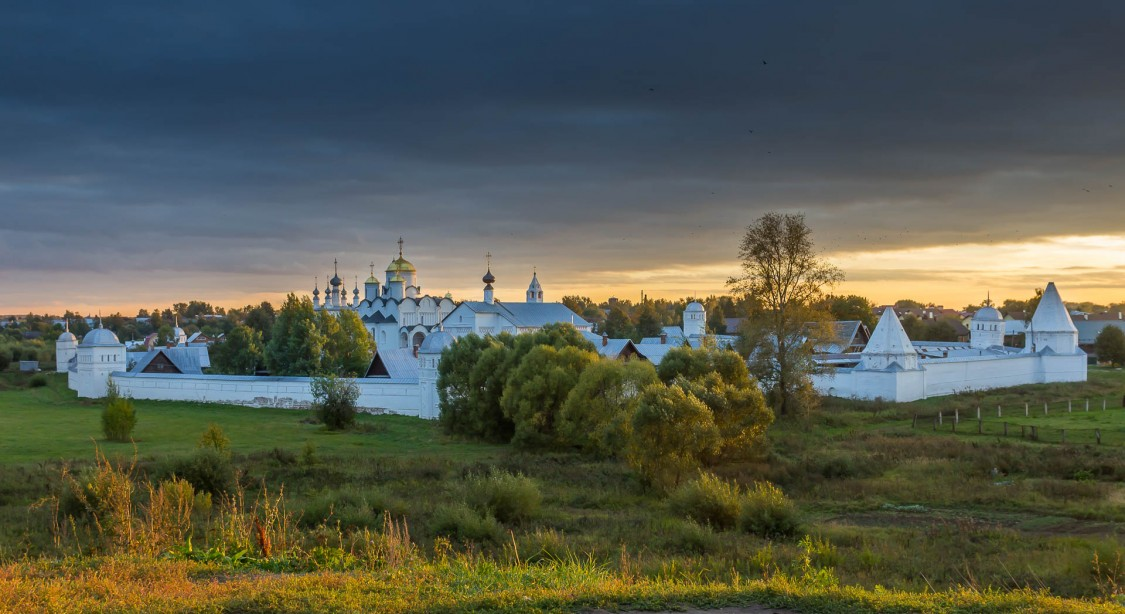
(787, 279)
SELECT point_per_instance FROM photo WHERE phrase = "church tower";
(534, 290)
(429, 354)
(1051, 327)
(488, 280)
(695, 320)
(987, 328)
(99, 355)
(66, 347)
(889, 347)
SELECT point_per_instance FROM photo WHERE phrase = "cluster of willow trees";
(552, 390)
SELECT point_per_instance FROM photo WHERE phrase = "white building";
(396, 313)
(98, 356)
(66, 350)
(894, 368)
(492, 317)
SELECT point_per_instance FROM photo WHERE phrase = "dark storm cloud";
(266, 137)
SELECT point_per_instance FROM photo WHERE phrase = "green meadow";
(892, 518)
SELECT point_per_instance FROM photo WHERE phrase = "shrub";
(118, 418)
(37, 381)
(507, 497)
(334, 401)
(208, 470)
(691, 537)
(308, 455)
(464, 524)
(5, 360)
(215, 439)
(767, 512)
(708, 500)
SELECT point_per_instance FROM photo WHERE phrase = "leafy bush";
(37, 381)
(118, 418)
(507, 497)
(5, 360)
(215, 439)
(690, 537)
(463, 523)
(767, 512)
(334, 401)
(208, 470)
(708, 500)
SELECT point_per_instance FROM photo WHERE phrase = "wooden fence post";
(1034, 434)
(1025, 411)
(914, 423)
(978, 412)
(1087, 404)
(980, 426)
(1068, 409)
(999, 414)
(956, 415)
(1098, 436)
(939, 419)
(954, 423)
(1103, 403)
(1044, 408)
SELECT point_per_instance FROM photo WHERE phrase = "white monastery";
(894, 368)
(411, 329)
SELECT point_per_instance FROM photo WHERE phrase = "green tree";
(538, 387)
(1110, 346)
(471, 378)
(297, 344)
(119, 417)
(648, 322)
(261, 319)
(359, 346)
(781, 269)
(239, 353)
(940, 330)
(334, 401)
(851, 307)
(597, 416)
(617, 324)
(722, 381)
(673, 431)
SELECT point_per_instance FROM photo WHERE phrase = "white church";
(894, 368)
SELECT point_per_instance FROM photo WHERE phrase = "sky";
(153, 153)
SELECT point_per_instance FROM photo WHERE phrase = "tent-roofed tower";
(1051, 327)
(534, 290)
(889, 346)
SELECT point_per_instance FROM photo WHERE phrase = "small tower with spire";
(66, 348)
(316, 293)
(371, 286)
(488, 280)
(534, 290)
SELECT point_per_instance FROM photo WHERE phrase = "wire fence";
(1048, 422)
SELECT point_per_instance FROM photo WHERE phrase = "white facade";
(98, 356)
(66, 348)
(492, 317)
(396, 313)
(893, 368)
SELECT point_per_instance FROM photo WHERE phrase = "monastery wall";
(375, 395)
(950, 377)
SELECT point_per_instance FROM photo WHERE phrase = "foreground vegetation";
(393, 516)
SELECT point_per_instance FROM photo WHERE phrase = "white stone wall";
(949, 377)
(376, 395)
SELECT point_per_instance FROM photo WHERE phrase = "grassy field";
(49, 423)
(895, 515)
